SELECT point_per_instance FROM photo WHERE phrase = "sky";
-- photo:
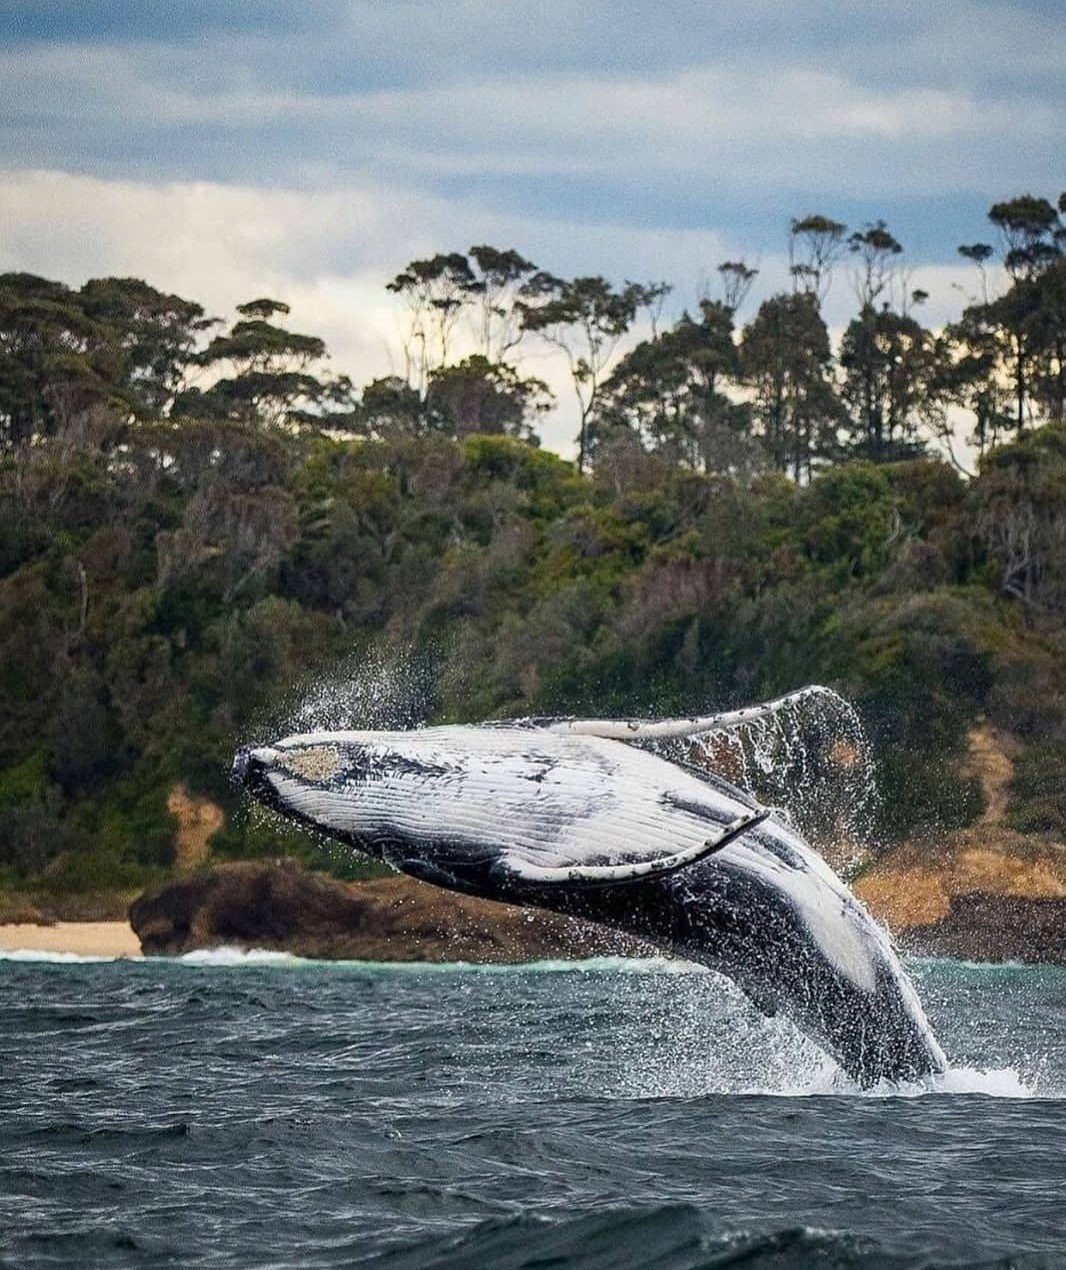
(226, 149)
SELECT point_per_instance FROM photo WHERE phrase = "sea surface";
(231, 1109)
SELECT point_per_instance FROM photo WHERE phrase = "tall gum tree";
(585, 318)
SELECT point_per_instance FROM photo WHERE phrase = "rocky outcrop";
(985, 893)
(282, 905)
(917, 885)
(982, 927)
(972, 898)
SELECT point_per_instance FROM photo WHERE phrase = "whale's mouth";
(277, 775)
(252, 768)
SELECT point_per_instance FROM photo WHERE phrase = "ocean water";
(232, 1110)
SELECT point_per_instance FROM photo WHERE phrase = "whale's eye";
(312, 762)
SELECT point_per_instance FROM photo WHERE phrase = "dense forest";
(199, 518)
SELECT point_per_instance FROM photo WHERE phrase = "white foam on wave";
(1001, 1082)
(230, 956)
(225, 956)
(829, 1080)
(59, 958)
(556, 966)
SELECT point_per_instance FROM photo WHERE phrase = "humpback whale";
(579, 817)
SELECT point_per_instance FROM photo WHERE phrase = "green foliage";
(176, 566)
(1038, 790)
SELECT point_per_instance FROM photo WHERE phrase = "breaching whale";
(574, 816)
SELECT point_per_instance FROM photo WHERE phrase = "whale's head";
(448, 805)
(369, 790)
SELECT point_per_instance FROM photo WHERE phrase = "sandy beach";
(86, 939)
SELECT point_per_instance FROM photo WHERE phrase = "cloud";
(225, 148)
(653, 123)
(328, 254)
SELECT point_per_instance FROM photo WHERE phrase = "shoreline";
(83, 939)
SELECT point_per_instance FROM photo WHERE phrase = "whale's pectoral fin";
(637, 730)
(632, 871)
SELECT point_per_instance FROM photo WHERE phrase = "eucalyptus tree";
(585, 318)
(737, 278)
(436, 291)
(498, 277)
(1031, 233)
(159, 333)
(1018, 337)
(39, 322)
(275, 375)
(58, 363)
(1048, 330)
(478, 396)
(890, 380)
(671, 391)
(888, 359)
(815, 244)
(786, 360)
(485, 285)
(389, 407)
(876, 253)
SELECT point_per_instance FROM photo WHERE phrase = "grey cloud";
(599, 111)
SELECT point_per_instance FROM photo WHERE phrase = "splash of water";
(703, 1037)
(386, 688)
(807, 755)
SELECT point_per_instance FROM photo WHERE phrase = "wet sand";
(86, 939)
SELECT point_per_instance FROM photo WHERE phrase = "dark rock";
(987, 927)
(282, 905)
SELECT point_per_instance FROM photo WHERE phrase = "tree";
(479, 396)
(57, 364)
(737, 278)
(1030, 231)
(436, 290)
(498, 278)
(969, 376)
(159, 335)
(786, 358)
(890, 373)
(815, 244)
(585, 318)
(274, 379)
(1021, 516)
(669, 391)
(390, 407)
(979, 254)
(1047, 328)
(1017, 337)
(875, 250)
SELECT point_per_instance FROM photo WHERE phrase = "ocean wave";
(60, 958)
(549, 966)
(987, 967)
(679, 1236)
(992, 1082)
(227, 955)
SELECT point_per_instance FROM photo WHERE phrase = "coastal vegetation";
(200, 520)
